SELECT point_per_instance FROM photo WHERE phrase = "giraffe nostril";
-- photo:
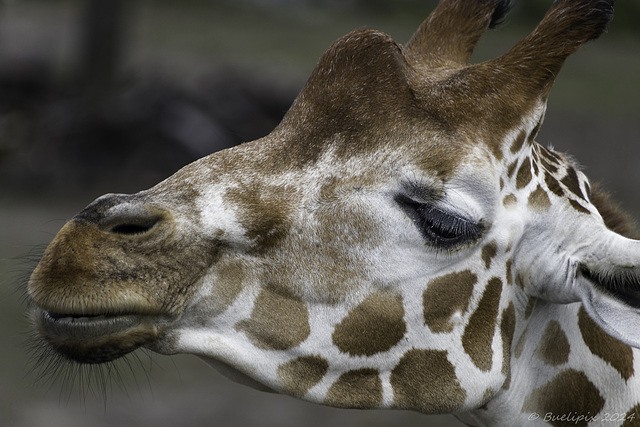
(133, 220)
(116, 215)
(133, 228)
(125, 215)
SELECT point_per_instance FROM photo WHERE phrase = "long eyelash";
(440, 228)
(441, 222)
(447, 222)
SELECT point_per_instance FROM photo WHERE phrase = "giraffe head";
(379, 248)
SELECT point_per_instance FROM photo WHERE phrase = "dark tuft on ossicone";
(604, 10)
(586, 14)
(500, 12)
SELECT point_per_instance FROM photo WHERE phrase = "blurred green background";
(112, 96)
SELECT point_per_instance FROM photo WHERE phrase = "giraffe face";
(376, 249)
(289, 283)
(328, 284)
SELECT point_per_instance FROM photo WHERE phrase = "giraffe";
(400, 240)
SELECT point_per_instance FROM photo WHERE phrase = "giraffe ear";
(615, 317)
(608, 284)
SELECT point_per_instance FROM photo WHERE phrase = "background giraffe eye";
(440, 228)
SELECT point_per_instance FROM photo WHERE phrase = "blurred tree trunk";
(101, 37)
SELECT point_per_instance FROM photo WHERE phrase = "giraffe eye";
(440, 228)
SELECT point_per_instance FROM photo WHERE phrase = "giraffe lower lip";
(97, 338)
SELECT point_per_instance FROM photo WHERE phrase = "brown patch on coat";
(375, 325)
(297, 376)
(478, 335)
(569, 392)
(519, 348)
(358, 389)
(549, 167)
(507, 329)
(632, 417)
(425, 381)
(539, 200)
(553, 185)
(572, 182)
(603, 345)
(446, 295)
(488, 252)
(231, 275)
(510, 200)
(532, 136)
(550, 155)
(553, 348)
(523, 177)
(263, 212)
(279, 320)
(512, 168)
(577, 206)
(518, 142)
(508, 272)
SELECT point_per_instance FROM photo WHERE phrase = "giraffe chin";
(96, 338)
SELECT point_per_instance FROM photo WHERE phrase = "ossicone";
(450, 33)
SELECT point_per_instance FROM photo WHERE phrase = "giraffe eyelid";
(440, 227)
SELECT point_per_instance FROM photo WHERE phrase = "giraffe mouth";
(88, 324)
(96, 338)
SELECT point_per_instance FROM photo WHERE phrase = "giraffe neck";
(559, 353)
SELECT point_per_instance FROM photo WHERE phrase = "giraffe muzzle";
(111, 282)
